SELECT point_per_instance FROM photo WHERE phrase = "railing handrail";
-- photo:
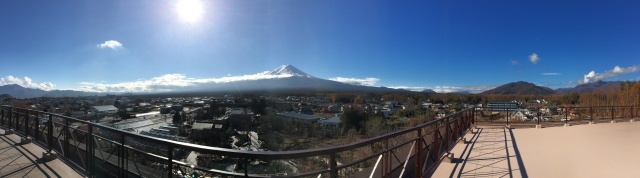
(263, 155)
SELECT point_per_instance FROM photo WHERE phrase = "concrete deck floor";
(599, 150)
(17, 160)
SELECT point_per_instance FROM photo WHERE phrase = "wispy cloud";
(551, 73)
(534, 58)
(26, 82)
(449, 89)
(167, 82)
(356, 81)
(617, 70)
(514, 62)
(113, 44)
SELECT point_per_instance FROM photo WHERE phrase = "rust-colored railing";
(96, 149)
(556, 115)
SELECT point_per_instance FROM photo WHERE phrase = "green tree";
(352, 118)
(375, 126)
(419, 110)
(177, 118)
(258, 106)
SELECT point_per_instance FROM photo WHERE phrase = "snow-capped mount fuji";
(283, 78)
(288, 70)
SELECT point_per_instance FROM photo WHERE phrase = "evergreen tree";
(177, 118)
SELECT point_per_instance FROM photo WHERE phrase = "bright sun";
(190, 11)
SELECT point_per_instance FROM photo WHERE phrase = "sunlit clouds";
(617, 70)
(551, 74)
(112, 44)
(26, 82)
(167, 82)
(356, 81)
(449, 89)
(534, 58)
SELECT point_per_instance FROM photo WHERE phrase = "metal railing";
(98, 150)
(556, 115)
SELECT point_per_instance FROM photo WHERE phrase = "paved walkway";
(18, 160)
(600, 150)
(490, 154)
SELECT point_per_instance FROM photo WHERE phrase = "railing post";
(418, 158)
(447, 132)
(333, 172)
(566, 115)
(246, 167)
(538, 114)
(435, 143)
(473, 117)
(16, 117)
(508, 115)
(65, 130)
(89, 150)
(467, 119)
(50, 134)
(36, 126)
(9, 116)
(26, 123)
(122, 156)
(591, 113)
(386, 163)
(612, 114)
(2, 115)
(170, 157)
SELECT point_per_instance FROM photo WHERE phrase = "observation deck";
(466, 143)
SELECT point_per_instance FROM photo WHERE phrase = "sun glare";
(190, 11)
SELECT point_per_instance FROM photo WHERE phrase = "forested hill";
(590, 87)
(520, 88)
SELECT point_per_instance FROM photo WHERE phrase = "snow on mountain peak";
(288, 70)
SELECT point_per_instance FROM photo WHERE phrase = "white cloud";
(167, 82)
(26, 82)
(113, 44)
(449, 89)
(514, 62)
(355, 81)
(617, 70)
(410, 88)
(551, 73)
(534, 58)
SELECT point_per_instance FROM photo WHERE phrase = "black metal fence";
(101, 151)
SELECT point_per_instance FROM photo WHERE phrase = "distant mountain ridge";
(290, 78)
(285, 77)
(5, 96)
(520, 88)
(428, 91)
(589, 87)
(18, 91)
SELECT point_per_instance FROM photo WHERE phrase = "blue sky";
(443, 45)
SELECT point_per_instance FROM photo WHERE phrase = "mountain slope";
(589, 87)
(520, 88)
(5, 96)
(22, 92)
